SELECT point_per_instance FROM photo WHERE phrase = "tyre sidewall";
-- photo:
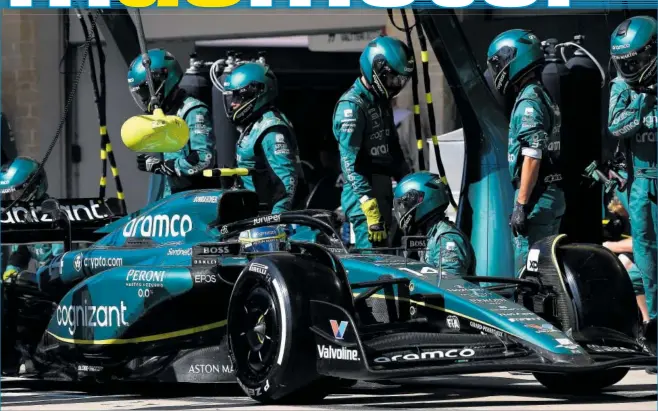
(294, 370)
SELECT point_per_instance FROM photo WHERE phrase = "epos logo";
(291, 3)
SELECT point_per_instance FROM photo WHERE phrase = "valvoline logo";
(338, 329)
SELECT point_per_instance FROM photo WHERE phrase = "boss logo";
(216, 250)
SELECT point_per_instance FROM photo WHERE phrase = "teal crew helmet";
(247, 89)
(418, 198)
(387, 65)
(14, 179)
(633, 50)
(166, 73)
(511, 55)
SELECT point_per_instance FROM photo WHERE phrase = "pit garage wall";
(32, 85)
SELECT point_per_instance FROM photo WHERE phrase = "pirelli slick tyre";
(270, 344)
(581, 383)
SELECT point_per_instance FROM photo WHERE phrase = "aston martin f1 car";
(168, 293)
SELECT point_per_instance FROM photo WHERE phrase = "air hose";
(564, 45)
(69, 101)
(106, 152)
(424, 54)
(414, 84)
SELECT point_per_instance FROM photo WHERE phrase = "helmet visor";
(238, 103)
(633, 65)
(407, 203)
(142, 95)
(498, 66)
(391, 80)
(262, 246)
(263, 239)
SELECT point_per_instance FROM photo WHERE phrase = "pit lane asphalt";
(497, 391)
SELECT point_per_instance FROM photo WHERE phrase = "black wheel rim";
(256, 333)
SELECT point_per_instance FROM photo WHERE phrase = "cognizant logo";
(291, 3)
(159, 225)
(92, 316)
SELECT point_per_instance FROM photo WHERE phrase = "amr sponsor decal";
(605, 348)
(91, 316)
(268, 219)
(258, 268)
(429, 355)
(89, 368)
(542, 328)
(158, 225)
(205, 199)
(566, 343)
(328, 352)
(95, 262)
(476, 292)
(338, 329)
(485, 329)
(210, 369)
(90, 211)
(146, 280)
(180, 252)
(141, 278)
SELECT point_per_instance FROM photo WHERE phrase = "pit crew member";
(632, 118)
(367, 137)
(14, 179)
(514, 58)
(267, 141)
(182, 170)
(419, 203)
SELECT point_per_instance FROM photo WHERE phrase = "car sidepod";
(133, 322)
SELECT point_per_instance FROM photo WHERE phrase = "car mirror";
(51, 207)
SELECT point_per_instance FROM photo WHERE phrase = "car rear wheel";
(270, 344)
(581, 383)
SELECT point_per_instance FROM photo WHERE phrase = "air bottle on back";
(575, 85)
(196, 80)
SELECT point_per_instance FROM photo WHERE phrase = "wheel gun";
(598, 174)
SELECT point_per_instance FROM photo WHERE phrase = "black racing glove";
(518, 220)
(154, 165)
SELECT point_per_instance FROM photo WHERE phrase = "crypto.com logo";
(391, 4)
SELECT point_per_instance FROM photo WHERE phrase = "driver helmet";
(166, 73)
(387, 64)
(511, 55)
(247, 89)
(633, 50)
(419, 197)
(263, 239)
(15, 176)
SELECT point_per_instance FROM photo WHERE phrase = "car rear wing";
(27, 223)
